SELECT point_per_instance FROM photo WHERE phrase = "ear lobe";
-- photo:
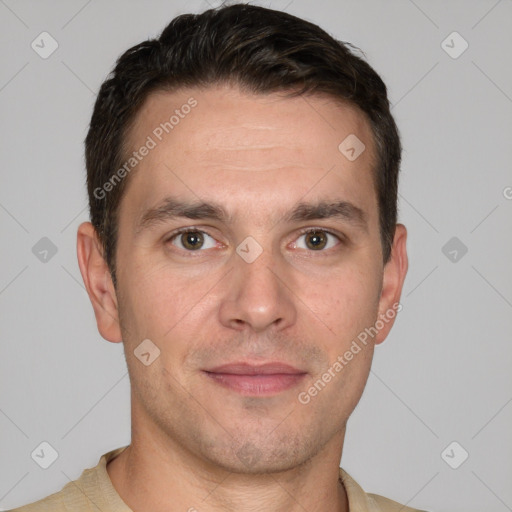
(393, 278)
(98, 282)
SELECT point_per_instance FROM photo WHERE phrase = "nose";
(258, 296)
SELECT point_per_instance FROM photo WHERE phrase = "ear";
(393, 278)
(98, 282)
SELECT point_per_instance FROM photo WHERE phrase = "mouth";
(256, 380)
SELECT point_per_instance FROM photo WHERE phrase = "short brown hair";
(262, 51)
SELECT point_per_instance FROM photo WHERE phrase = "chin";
(262, 456)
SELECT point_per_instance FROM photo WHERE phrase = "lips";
(256, 380)
(262, 369)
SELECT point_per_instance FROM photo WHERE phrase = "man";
(243, 245)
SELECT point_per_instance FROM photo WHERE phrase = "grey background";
(443, 374)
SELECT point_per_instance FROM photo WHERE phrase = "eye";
(190, 239)
(317, 240)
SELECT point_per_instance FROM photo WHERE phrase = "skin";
(194, 442)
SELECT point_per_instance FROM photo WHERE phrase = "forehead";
(223, 141)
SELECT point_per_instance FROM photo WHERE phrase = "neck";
(155, 473)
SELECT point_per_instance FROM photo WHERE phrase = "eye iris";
(316, 240)
(192, 240)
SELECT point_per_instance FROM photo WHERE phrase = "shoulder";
(67, 499)
(359, 500)
(93, 491)
(382, 504)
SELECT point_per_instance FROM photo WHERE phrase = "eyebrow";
(171, 208)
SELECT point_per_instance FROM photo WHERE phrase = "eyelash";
(305, 231)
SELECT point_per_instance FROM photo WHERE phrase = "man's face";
(251, 287)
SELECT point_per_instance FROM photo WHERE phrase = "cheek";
(163, 304)
(333, 394)
(353, 375)
(346, 300)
